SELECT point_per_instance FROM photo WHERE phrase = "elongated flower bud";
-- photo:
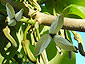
(12, 22)
(57, 25)
(42, 43)
(18, 15)
(63, 43)
(10, 11)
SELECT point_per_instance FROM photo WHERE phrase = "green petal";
(57, 25)
(18, 15)
(42, 43)
(12, 22)
(10, 11)
(63, 43)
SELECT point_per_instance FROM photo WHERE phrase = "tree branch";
(41, 18)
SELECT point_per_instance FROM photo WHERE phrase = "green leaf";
(63, 59)
(57, 25)
(75, 9)
(50, 5)
(51, 50)
(42, 43)
(10, 11)
(63, 43)
(18, 15)
(58, 5)
(12, 22)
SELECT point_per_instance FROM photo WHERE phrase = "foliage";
(23, 40)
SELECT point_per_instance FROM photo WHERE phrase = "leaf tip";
(36, 52)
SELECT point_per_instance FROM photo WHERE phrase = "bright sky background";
(79, 58)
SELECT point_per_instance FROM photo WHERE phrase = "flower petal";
(63, 43)
(57, 25)
(12, 22)
(42, 43)
(18, 15)
(10, 11)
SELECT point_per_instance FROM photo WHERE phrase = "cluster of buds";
(12, 17)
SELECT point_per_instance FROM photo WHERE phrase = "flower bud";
(57, 25)
(10, 11)
(63, 43)
(18, 15)
(12, 22)
(42, 43)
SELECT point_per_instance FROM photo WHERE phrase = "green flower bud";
(63, 43)
(57, 25)
(12, 22)
(18, 15)
(42, 43)
(10, 11)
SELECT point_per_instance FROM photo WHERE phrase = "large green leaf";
(63, 59)
(59, 5)
(75, 9)
(51, 50)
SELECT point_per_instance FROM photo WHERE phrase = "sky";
(79, 58)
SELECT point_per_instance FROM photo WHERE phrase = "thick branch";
(69, 23)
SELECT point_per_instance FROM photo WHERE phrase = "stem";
(26, 30)
(37, 30)
(44, 57)
(25, 20)
(73, 32)
(54, 12)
